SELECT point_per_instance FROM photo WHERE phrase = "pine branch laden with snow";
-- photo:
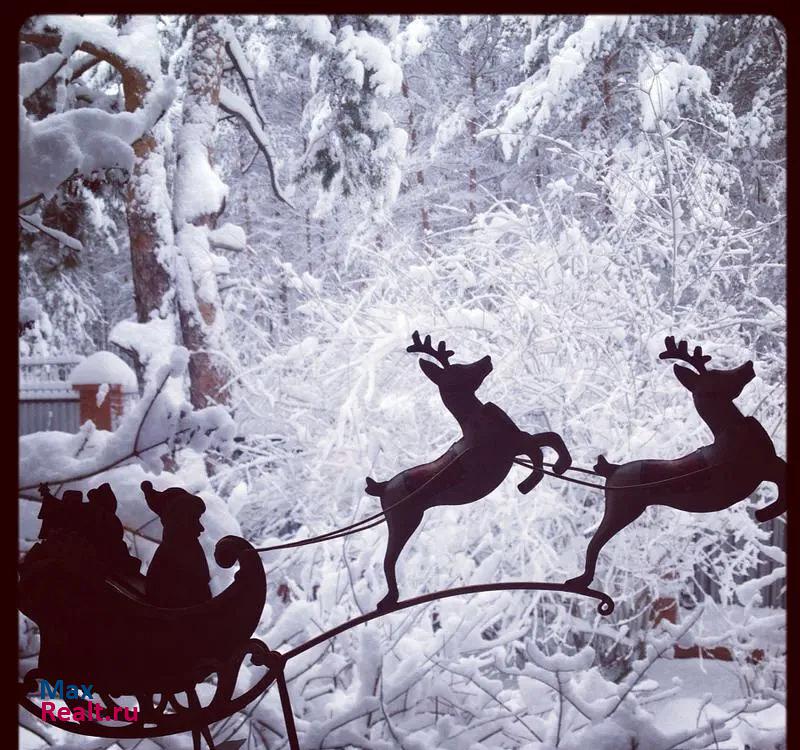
(250, 115)
(353, 141)
(84, 140)
(88, 139)
(253, 122)
(535, 100)
(33, 222)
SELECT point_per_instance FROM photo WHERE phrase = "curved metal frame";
(197, 718)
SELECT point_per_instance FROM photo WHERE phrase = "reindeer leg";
(776, 473)
(552, 440)
(537, 459)
(616, 517)
(401, 527)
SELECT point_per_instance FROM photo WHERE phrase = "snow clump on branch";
(83, 141)
(158, 424)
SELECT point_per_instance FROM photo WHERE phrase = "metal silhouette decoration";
(155, 637)
(95, 521)
(471, 468)
(711, 478)
(178, 574)
(132, 647)
(101, 625)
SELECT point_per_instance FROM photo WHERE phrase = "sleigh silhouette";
(100, 630)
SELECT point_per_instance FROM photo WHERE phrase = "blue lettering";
(56, 690)
(52, 691)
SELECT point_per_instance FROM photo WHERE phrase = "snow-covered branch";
(88, 139)
(158, 425)
(84, 140)
(235, 105)
(34, 222)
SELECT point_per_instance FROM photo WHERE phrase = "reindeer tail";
(375, 488)
(604, 468)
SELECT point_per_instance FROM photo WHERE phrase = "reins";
(702, 470)
(378, 518)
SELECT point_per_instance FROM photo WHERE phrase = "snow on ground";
(722, 681)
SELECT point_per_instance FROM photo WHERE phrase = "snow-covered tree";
(289, 197)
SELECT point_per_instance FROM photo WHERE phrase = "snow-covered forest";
(256, 212)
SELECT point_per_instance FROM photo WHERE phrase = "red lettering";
(48, 710)
(134, 714)
(64, 714)
(78, 714)
(117, 709)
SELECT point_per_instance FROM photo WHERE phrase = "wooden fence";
(46, 399)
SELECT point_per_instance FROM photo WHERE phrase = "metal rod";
(606, 606)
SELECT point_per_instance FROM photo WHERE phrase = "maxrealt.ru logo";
(92, 711)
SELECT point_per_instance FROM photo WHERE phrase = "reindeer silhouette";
(712, 478)
(470, 469)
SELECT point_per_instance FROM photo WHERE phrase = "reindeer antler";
(441, 354)
(697, 360)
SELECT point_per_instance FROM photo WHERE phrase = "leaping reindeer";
(712, 478)
(491, 439)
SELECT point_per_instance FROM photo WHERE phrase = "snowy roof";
(103, 367)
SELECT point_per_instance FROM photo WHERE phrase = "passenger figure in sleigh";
(178, 573)
(95, 522)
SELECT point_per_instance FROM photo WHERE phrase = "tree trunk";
(412, 129)
(149, 230)
(146, 198)
(196, 209)
(147, 210)
(472, 129)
